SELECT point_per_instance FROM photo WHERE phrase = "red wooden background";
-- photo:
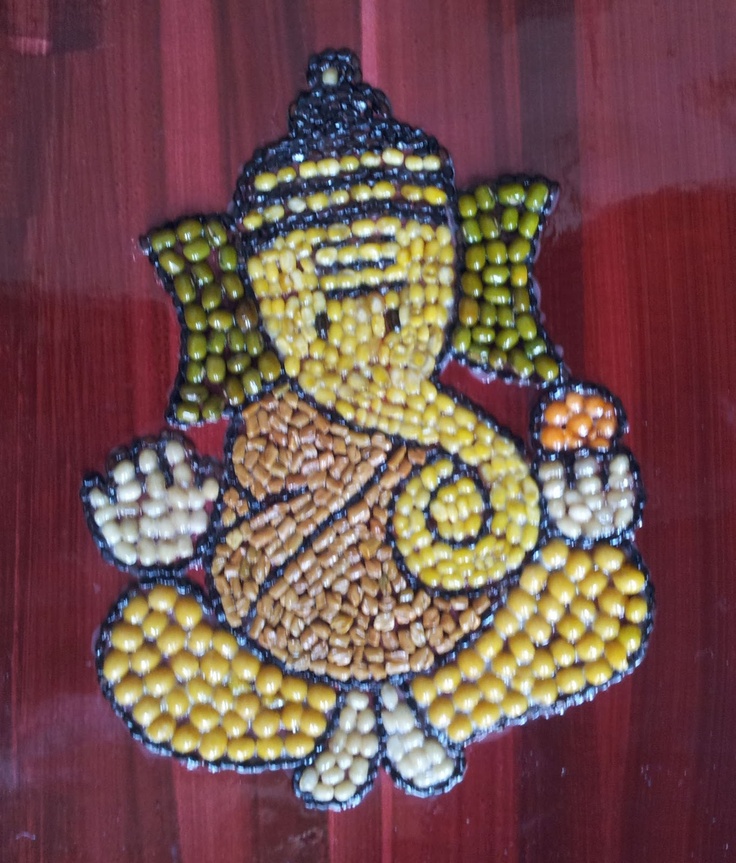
(115, 116)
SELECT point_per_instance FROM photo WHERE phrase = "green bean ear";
(226, 359)
(499, 328)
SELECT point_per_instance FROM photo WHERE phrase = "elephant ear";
(499, 328)
(226, 359)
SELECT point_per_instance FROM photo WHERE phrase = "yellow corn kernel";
(544, 692)
(265, 182)
(241, 749)
(393, 157)
(488, 645)
(349, 164)
(543, 664)
(269, 748)
(435, 196)
(608, 558)
(370, 159)
(570, 680)
(307, 170)
(286, 175)
(328, 167)
(384, 190)
(514, 705)
(441, 712)
(318, 201)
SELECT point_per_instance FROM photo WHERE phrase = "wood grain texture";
(114, 117)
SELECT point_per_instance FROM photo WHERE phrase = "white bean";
(592, 529)
(395, 748)
(369, 745)
(389, 696)
(358, 699)
(125, 552)
(180, 520)
(615, 499)
(344, 760)
(166, 529)
(338, 741)
(586, 467)
(148, 527)
(156, 485)
(184, 547)
(404, 718)
(333, 776)
(605, 514)
(353, 742)
(325, 761)
(147, 460)
(579, 512)
(623, 517)
(366, 720)
(129, 492)
(123, 472)
(147, 552)
(175, 452)
(210, 489)
(569, 527)
(199, 521)
(434, 751)
(443, 770)
(183, 475)
(127, 510)
(177, 498)
(323, 793)
(167, 552)
(129, 529)
(358, 771)
(97, 498)
(196, 498)
(407, 766)
(153, 508)
(110, 530)
(556, 509)
(619, 464)
(554, 488)
(344, 791)
(594, 502)
(414, 739)
(347, 719)
(550, 470)
(308, 780)
(589, 485)
(104, 514)
(421, 761)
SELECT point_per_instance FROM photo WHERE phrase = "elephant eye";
(322, 323)
(393, 324)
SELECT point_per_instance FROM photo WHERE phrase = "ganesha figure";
(390, 574)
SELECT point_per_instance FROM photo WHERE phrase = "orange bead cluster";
(577, 421)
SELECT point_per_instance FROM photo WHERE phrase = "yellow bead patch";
(192, 689)
(576, 619)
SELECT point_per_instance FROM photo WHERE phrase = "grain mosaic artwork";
(390, 574)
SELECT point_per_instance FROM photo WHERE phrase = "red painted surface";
(114, 117)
